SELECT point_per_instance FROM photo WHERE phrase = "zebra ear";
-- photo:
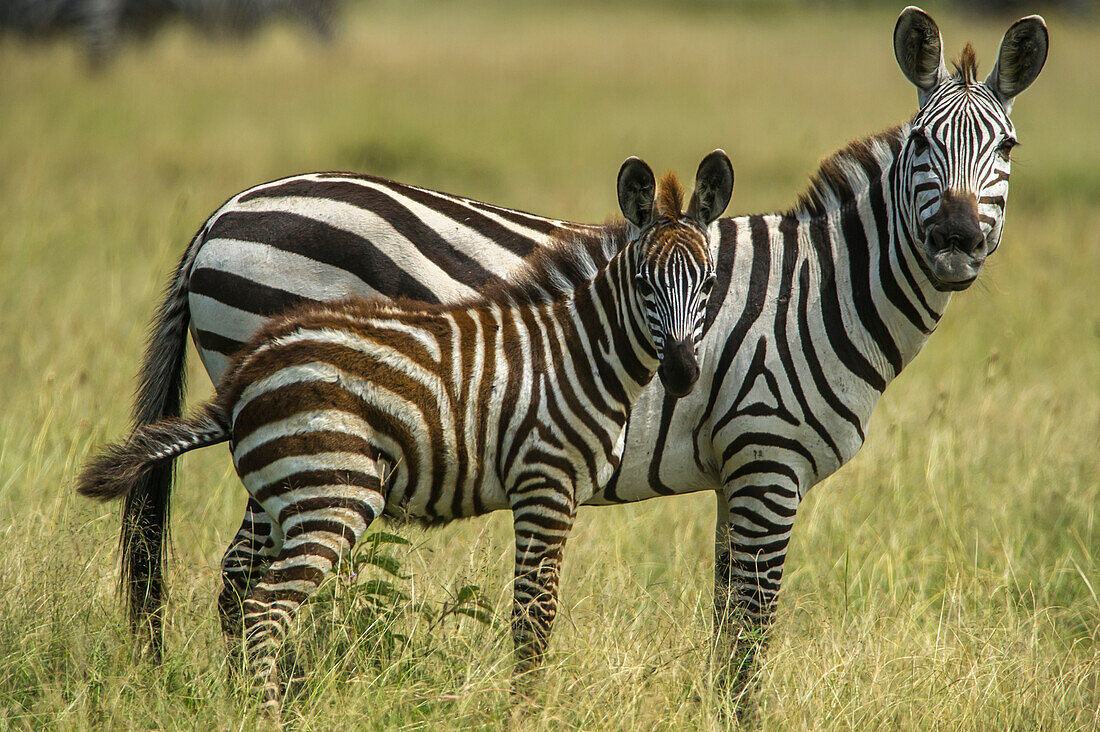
(918, 48)
(713, 188)
(636, 188)
(1020, 59)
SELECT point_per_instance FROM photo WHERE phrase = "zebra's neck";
(614, 336)
(857, 212)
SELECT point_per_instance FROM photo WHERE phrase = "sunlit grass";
(948, 577)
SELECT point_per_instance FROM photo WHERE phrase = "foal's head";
(675, 272)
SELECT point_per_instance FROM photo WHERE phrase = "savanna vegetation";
(948, 577)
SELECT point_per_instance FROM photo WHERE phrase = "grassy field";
(948, 577)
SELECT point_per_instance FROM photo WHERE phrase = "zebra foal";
(518, 399)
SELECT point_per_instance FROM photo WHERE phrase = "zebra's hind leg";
(321, 524)
(252, 550)
(543, 518)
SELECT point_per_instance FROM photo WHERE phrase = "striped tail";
(121, 468)
(124, 469)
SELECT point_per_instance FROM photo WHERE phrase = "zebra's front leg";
(248, 556)
(543, 518)
(751, 536)
(321, 525)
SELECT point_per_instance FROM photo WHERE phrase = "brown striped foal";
(339, 413)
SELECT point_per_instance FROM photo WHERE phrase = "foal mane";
(559, 268)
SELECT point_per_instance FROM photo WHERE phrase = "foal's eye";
(1005, 148)
(707, 285)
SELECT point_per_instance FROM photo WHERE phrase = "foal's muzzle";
(679, 369)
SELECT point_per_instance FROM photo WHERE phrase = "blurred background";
(948, 575)
(102, 25)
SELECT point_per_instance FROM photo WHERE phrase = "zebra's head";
(675, 271)
(955, 161)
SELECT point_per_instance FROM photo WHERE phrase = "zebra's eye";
(919, 140)
(707, 285)
(1005, 148)
(643, 284)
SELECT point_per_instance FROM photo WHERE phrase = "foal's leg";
(321, 524)
(543, 517)
(252, 550)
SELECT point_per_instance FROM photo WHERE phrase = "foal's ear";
(637, 187)
(1020, 59)
(918, 48)
(713, 188)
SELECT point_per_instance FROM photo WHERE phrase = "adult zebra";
(517, 398)
(815, 310)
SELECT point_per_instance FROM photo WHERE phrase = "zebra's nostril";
(938, 240)
(966, 241)
(960, 238)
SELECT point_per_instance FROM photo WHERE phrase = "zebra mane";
(575, 257)
(670, 196)
(553, 272)
(832, 185)
(966, 66)
(558, 269)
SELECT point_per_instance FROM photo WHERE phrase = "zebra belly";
(290, 485)
(457, 495)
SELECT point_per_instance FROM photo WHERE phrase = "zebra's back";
(327, 236)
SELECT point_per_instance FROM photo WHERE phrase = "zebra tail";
(119, 468)
(159, 395)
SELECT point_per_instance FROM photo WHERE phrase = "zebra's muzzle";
(679, 368)
(955, 247)
(952, 269)
(955, 255)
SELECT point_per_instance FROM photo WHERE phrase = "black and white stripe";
(814, 312)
